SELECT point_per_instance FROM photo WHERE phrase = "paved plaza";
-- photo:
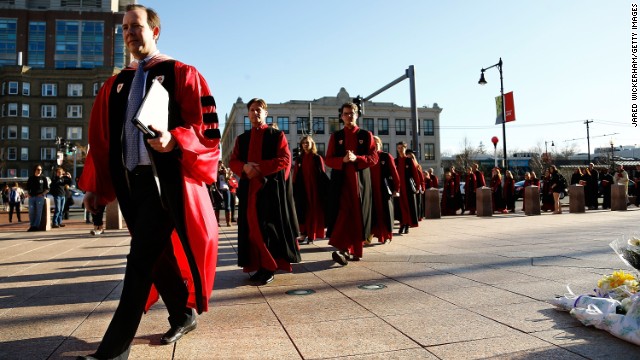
(459, 287)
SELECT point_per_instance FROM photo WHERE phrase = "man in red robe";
(351, 152)
(161, 190)
(267, 225)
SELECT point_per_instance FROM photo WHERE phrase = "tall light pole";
(482, 81)
(611, 143)
(546, 152)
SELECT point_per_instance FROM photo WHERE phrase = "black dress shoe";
(176, 332)
(257, 275)
(267, 277)
(87, 357)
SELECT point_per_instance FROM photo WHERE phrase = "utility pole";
(588, 141)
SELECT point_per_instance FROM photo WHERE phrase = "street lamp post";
(546, 152)
(611, 143)
(482, 81)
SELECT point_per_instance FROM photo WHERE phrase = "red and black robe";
(267, 223)
(470, 192)
(407, 203)
(310, 189)
(384, 182)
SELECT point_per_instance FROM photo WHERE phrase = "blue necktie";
(132, 134)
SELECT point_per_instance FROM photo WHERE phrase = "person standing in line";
(16, 194)
(606, 179)
(224, 189)
(5, 196)
(592, 188)
(622, 178)
(556, 187)
(310, 191)
(350, 154)
(509, 192)
(529, 180)
(385, 185)
(98, 221)
(160, 183)
(407, 204)
(37, 187)
(267, 220)
(420, 196)
(636, 179)
(61, 180)
(470, 191)
(448, 202)
(496, 192)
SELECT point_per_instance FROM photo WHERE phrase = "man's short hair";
(402, 143)
(262, 103)
(153, 20)
(351, 105)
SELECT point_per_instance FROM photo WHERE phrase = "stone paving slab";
(459, 287)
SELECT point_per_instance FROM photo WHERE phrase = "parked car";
(78, 199)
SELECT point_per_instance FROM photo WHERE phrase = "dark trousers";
(12, 206)
(98, 217)
(150, 260)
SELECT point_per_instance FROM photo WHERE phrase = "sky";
(566, 61)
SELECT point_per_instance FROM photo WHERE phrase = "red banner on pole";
(509, 108)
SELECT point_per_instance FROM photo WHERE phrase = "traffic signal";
(358, 100)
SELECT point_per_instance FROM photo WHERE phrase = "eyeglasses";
(348, 114)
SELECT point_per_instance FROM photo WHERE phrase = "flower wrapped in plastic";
(618, 285)
(570, 301)
(628, 248)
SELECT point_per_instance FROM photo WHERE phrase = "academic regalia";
(434, 181)
(449, 203)
(470, 193)
(509, 192)
(530, 182)
(480, 182)
(407, 204)
(181, 266)
(310, 189)
(349, 218)
(267, 221)
(384, 182)
(496, 192)
(591, 189)
(548, 204)
(607, 180)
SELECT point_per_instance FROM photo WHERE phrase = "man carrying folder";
(160, 184)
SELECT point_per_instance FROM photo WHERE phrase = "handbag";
(216, 197)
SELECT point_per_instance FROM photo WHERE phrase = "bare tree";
(537, 163)
(567, 150)
(481, 148)
(466, 156)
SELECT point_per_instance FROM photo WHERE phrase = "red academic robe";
(347, 231)
(382, 200)
(199, 144)
(407, 170)
(259, 254)
(313, 224)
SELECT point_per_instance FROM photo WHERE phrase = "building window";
(12, 153)
(25, 110)
(302, 125)
(283, 123)
(74, 111)
(24, 134)
(48, 111)
(385, 147)
(427, 127)
(24, 172)
(334, 124)
(79, 44)
(321, 148)
(401, 127)
(383, 128)
(47, 133)
(26, 88)
(49, 89)
(12, 109)
(318, 125)
(47, 153)
(74, 133)
(96, 88)
(13, 88)
(12, 132)
(24, 154)
(8, 38)
(247, 123)
(429, 151)
(37, 38)
(119, 49)
(74, 90)
(269, 120)
(367, 124)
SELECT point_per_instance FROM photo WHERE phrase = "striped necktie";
(132, 134)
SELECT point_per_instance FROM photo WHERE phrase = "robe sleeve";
(367, 161)
(332, 161)
(95, 175)
(199, 137)
(235, 163)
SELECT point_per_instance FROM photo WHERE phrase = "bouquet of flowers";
(628, 249)
(619, 285)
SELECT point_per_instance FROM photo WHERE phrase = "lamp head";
(482, 81)
(552, 144)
